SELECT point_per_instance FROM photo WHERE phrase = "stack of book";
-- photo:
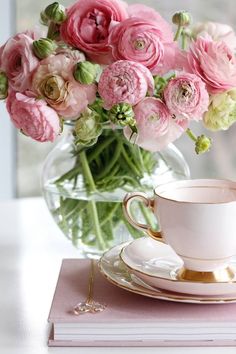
(130, 319)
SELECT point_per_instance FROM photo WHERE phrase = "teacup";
(197, 219)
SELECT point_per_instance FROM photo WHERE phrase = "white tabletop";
(31, 250)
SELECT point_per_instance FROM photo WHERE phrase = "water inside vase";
(94, 223)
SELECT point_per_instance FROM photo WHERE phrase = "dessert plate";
(157, 265)
(112, 267)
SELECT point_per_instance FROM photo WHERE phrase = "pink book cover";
(124, 307)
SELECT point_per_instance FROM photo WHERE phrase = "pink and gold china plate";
(115, 271)
(158, 266)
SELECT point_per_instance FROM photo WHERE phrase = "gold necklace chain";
(89, 306)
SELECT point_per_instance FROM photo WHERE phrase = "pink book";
(130, 319)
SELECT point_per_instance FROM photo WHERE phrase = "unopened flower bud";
(87, 128)
(203, 144)
(86, 72)
(55, 12)
(182, 18)
(43, 18)
(122, 114)
(3, 85)
(43, 47)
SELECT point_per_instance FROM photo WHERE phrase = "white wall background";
(220, 162)
(7, 133)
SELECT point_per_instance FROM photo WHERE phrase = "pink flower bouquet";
(104, 53)
(104, 64)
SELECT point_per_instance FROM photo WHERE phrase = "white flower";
(222, 111)
(217, 31)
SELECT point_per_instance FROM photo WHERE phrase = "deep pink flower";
(87, 26)
(142, 41)
(156, 127)
(125, 81)
(213, 62)
(33, 117)
(186, 97)
(54, 81)
(18, 61)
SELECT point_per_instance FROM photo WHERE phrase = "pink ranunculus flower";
(213, 62)
(149, 14)
(186, 97)
(18, 61)
(87, 26)
(217, 31)
(156, 128)
(125, 81)
(54, 81)
(74, 54)
(33, 117)
(144, 42)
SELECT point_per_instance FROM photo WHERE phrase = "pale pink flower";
(74, 54)
(156, 128)
(33, 117)
(186, 97)
(18, 61)
(217, 31)
(142, 41)
(125, 81)
(87, 26)
(213, 62)
(54, 81)
(149, 14)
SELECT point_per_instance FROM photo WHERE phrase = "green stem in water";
(87, 173)
(69, 175)
(129, 163)
(92, 204)
(147, 216)
(110, 215)
(178, 33)
(97, 229)
(100, 147)
(109, 166)
(141, 159)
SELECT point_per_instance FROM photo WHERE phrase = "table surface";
(31, 250)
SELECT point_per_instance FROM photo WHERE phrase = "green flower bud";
(203, 144)
(86, 72)
(182, 18)
(43, 47)
(87, 128)
(55, 12)
(122, 114)
(43, 18)
(3, 85)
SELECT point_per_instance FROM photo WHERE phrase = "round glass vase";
(84, 187)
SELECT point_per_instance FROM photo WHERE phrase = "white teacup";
(197, 219)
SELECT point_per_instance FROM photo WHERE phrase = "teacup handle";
(149, 203)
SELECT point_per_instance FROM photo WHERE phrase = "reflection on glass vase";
(84, 187)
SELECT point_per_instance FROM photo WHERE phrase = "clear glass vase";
(84, 187)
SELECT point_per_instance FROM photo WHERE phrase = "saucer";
(158, 265)
(115, 271)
